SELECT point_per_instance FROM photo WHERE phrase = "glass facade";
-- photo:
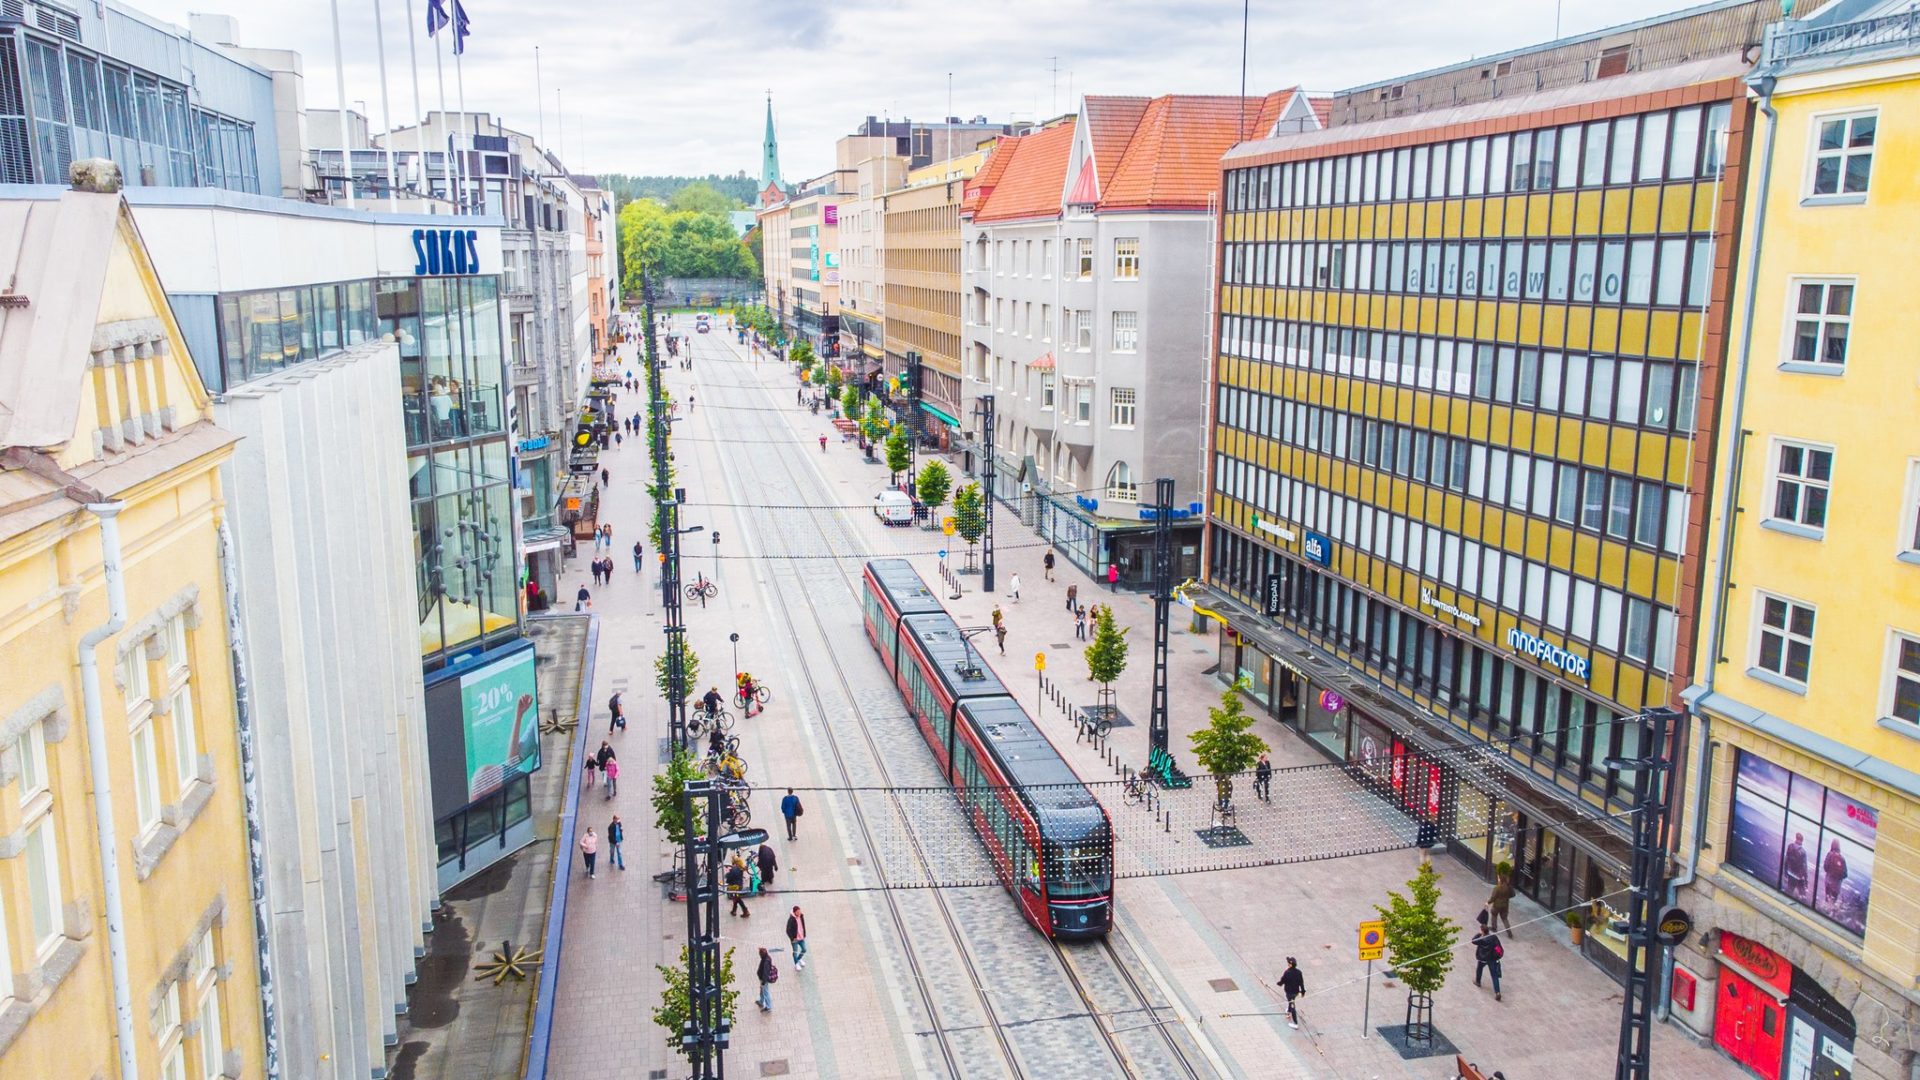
(1459, 378)
(451, 373)
(60, 102)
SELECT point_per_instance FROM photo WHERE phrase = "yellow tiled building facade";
(1804, 815)
(111, 456)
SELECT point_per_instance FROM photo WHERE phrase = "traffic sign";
(943, 553)
(947, 526)
(1039, 661)
(1373, 939)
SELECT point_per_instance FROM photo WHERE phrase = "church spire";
(770, 152)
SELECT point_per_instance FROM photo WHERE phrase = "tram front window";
(1084, 868)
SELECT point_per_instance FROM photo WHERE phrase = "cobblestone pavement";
(1206, 947)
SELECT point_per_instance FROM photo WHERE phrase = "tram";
(1050, 840)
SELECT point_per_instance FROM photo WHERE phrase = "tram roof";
(949, 650)
(1027, 756)
(905, 587)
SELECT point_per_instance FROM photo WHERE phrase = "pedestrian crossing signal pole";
(1653, 792)
(1162, 604)
(985, 413)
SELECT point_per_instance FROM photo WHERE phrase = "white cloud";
(680, 88)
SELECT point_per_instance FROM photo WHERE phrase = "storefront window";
(398, 307)
(233, 341)
(1811, 844)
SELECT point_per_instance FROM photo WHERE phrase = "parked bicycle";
(702, 590)
(761, 695)
(1134, 789)
(1094, 725)
(700, 721)
(726, 764)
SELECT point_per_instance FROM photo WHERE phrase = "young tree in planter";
(1419, 946)
(676, 1006)
(969, 517)
(934, 483)
(1106, 656)
(691, 664)
(834, 380)
(899, 455)
(1225, 747)
(802, 355)
(669, 791)
(874, 424)
(849, 398)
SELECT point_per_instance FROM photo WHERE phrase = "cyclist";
(716, 743)
(746, 688)
(712, 702)
(823, 444)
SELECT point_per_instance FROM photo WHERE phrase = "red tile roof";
(1322, 108)
(1111, 122)
(1172, 160)
(1031, 182)
(988, 176)
(1084, 192)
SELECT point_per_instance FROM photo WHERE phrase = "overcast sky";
(681, 87)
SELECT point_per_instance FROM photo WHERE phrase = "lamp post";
(735, 639)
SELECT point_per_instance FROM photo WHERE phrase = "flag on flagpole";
(436, 16)
(460, 29)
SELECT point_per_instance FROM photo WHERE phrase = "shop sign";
(1317, 549)
(1274, 595)
(538, 442)
(1675, 924)
(1427, 599)
(1331, 701)
(1547, 653)
(830, 215)
(1758, 961)
(1270, 527)
(446, 252)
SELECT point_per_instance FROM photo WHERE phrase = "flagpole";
(460, 78)
(386, 106)
(420, 116)
(446, 159)
(340, 84)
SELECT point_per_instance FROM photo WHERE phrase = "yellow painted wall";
(51, 593)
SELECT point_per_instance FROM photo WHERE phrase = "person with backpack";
(737, 887)
(1487, 954)
(791, 809)
(1263, 779)
(616, 717)
(616, 833)
(1293, 983)
(768, 976)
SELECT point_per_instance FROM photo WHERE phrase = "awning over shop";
(940, 415)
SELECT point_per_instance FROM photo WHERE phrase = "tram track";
(1142, 1038)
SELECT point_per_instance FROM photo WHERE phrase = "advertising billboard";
(1803, 840)
(483, 726)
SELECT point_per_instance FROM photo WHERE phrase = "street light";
(735, 638)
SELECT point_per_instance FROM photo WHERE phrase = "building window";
(1126, 258)
(1910, 515)
(1083, 256)
(1083, 330)
(1843, 154)
(205, 982)
(43, 883)
(1784, 643)
(31, 749)
(146, 773)
(1801, 477)
(1803, 840)
(1903, 690)
(1046, 390)
(186, 743)
(173, 1043)
(1126, 331)
(1083, 404)
(1120, 485)
(1822, 312)
(1123, 406)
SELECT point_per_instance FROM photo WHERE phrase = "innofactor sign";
(1547, 653)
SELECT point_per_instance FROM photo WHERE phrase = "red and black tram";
(1049, 838)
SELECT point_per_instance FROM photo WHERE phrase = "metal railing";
(1792, 41)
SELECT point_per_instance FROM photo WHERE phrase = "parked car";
(893, 508)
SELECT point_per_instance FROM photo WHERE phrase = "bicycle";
(727, 765)
(1094, 726)
(700, 721)
(1134, 789)
(761, 695)
(702, 590)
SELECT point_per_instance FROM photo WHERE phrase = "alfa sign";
(446, 252)
(1317, 549)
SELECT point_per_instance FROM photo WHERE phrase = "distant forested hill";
(738, 186)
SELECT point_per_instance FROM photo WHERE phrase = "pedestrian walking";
(768, 976)
(736, 887)
(1263, 778)
(769, 865)
(604, 754)
(1073, 595)
(583, 599)
(589, 847)
(1294, 985)
(1487, 954)
(1000, 636)
(1113, 576)
(637, 549)
(998, 617)
(1014, 585)
(797, 938)
(616, 834)
(1497, 904)
(616, 715)
(1080, 623)
(1046, 564)
(754, 886)
(604, 481)
(791, 809)
(612, 769)
(593, 771)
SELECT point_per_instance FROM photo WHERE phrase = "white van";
(893, 508)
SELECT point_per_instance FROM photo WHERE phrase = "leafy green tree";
(1106, 654)
(934, 484)
(1420, 940)
(849, 398)
(874, 424)
(691, 660)
(969, 516)
(676, 1003)
(835, 380)
(899, 455)
(1225, 747)
(669, 789)
(802, 354)
(700, 197)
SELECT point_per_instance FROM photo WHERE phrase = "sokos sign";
(446, 252)
(1547, 653)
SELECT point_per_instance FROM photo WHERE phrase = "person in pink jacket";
(589, 847)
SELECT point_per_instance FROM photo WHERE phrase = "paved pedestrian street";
(919, 981)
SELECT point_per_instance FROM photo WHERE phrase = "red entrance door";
(1749, 1024)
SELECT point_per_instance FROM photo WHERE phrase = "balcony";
(1814, 44)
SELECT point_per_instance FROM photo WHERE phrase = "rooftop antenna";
(1246, 17)
(1055, 109)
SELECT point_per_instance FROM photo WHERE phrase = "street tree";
(934, 484)
(849, 399)
(1225, 747)
(969, 517)
(1419, 946)
(676, 1004)
(834, 379)
(874, 424)
(802, 355)
(1106, 655)
(677, 643)
(701, 197)
(899, 455)
(669, 795)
